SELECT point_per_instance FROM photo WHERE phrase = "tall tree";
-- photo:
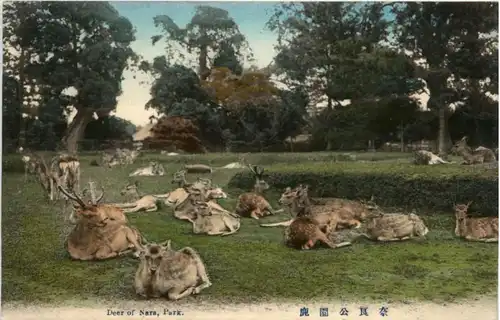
(84, 46)
(210, 30)
(435, 31)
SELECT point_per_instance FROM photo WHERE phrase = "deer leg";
(254, 214)
(153, 208)
(491, 240)
(105, 253)
(176, 293)
(322, 237)
(214, 233)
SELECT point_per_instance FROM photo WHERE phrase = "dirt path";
(484, 309)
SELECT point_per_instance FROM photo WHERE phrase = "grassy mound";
(393, 184)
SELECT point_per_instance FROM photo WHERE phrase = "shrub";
(403, 185)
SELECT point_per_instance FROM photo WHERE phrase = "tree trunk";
(20, 97)
(76, 129)
(443, 134)
(202, 62)
(401, 136)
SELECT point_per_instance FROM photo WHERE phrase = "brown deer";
(253, 204)
(338, 213)
(478, 156)
(175, 274)
(475, 229)
(101, 231)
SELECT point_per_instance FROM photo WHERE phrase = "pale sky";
(250, 16)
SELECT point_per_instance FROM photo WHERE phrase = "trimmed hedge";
(393, 184)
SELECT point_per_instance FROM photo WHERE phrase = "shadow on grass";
(249, 266)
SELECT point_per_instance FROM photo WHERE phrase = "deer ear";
(469, 203)
(167, 245)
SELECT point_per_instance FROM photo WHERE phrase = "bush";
(393, 184)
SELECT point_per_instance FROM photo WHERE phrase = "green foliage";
(404, 185)
(109, 128)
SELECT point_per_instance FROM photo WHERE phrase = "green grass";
(249, 266)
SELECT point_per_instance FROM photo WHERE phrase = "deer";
(424, 157)
(212, 223)
(163, 271)
(101, 231)
(138, 201)
(337, 213)
(154, 169)
(66, 169)
(180, 194)
(394, 227)
(478, 156)
(48, 179)
(185, 209)
(475, 229)
(253, 204)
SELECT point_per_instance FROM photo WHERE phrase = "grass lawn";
(249, 266)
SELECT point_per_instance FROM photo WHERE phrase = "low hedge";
(393, 184)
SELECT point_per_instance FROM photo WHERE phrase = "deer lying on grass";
(180, 194)
(154, 169)
(138, 201)
(185, 209)
(423, 157)
(253, 204)
(66, 169)
(101, 231)
(337, 213)
(478, 156)
(163, 271)
(475, 229)
(213, 223)
(394, 227)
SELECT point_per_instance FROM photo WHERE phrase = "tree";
(20, 31)
(210, 30)
(84, 46)
(109, 128)
(435, 31)
(175, 132)
(337, 52)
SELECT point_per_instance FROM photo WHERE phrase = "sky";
(250, 16)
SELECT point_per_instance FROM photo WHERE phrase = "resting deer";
(394, 227)
(475, 229)
(180, 194)
(337, 213)
(101, 231)
(184, 209)
(210, 222)
(478, 156)
(423, 157)
(138, 201)
(253, 204)
(154, 169)
(163, 271)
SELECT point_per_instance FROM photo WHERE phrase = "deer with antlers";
(101, 231)
(253, 204)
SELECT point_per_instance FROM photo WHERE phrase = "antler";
(73, 196)
(93, 198)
